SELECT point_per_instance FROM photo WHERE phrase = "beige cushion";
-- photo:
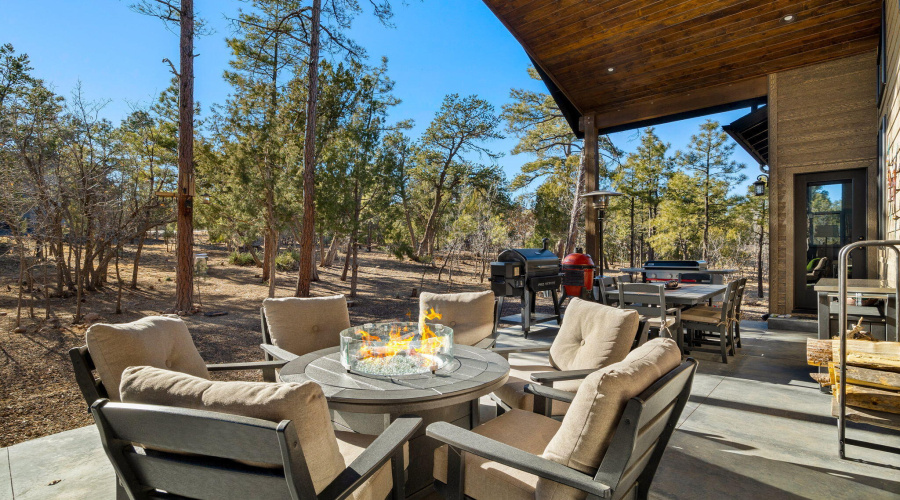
(593, 335)
(656, 321)
(304, 404)
(513, 391)
(488, 480)
(470, 315)
(592, 418)
(152, 341)
(377, 487)
(304, 325)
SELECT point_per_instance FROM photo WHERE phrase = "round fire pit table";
(368, 404)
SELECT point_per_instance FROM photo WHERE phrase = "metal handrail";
(842, 325)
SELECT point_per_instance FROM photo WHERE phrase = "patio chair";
(472, 316)
(818, 272)
(708, 325)
(293, 326)
(608, 445)
(152, 341)
(180, 436)
(591, 336)
(650, 301)
(736, 311)
(604, 284)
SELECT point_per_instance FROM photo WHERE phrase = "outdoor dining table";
(368, 404)
(685, 295)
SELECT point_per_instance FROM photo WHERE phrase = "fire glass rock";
(396, 348)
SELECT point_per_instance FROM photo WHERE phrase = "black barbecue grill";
(523, 272)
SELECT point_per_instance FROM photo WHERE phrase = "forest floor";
(38, 393)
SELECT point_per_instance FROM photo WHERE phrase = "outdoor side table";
(368, 405)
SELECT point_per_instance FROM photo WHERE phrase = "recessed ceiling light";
(789, 18)
(610, 69)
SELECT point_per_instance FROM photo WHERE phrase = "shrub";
(288, 260)
(241, 259)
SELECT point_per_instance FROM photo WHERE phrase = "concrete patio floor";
(757, 427)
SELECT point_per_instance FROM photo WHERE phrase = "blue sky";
(436, 48)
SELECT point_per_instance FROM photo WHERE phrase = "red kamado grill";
(578, 273)
(523, 272)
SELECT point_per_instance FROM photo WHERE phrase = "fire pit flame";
(390, 349)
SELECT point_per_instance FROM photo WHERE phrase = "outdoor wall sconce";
(759, 187)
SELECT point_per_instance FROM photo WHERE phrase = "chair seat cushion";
(588, 427)
(470, 315)
(702, 314)
(302, 403)
(305, 325)
(593, 335)
(656, 321)
(152, 341)
(377, 487)
(513, 391)
(488, 480)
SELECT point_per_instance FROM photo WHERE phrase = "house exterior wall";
(821, 118)
(889, 114)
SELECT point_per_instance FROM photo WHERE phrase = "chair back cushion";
(594, 414)
(152, 341)
(470, 315)
(305, 325)
(593, 335)
(302, 403)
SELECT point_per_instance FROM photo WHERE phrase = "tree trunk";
(350, 245)
(426, 246)
(354, 275)
(79, 286)
(631, 245)
(21, 279)
(328, 258)
(184, 270)
(272, 241)
(409, 224)
(577, 205)
(309, 156)
(137, 259)
(119, 280)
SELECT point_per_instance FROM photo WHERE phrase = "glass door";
(830, 213)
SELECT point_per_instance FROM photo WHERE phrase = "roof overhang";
(633, 63)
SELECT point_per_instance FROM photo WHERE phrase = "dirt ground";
(39, 396)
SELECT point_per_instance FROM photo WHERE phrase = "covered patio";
(757, 427)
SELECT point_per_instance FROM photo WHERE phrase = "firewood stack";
(873, 371)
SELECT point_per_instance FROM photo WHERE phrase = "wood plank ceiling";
(674, 56)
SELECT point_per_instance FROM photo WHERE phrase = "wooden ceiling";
(673, 57)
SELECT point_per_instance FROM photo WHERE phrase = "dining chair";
(608, 445)
(708, 325)
(294, 326)
(736, 311)
(158, 341)
(591, 336)
(649, 300)
(179, 436)
(602, 285)
(473, 316)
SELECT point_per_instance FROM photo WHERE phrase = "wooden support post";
(591, 168)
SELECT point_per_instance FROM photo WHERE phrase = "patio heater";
(759, 187)
(600, 200)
